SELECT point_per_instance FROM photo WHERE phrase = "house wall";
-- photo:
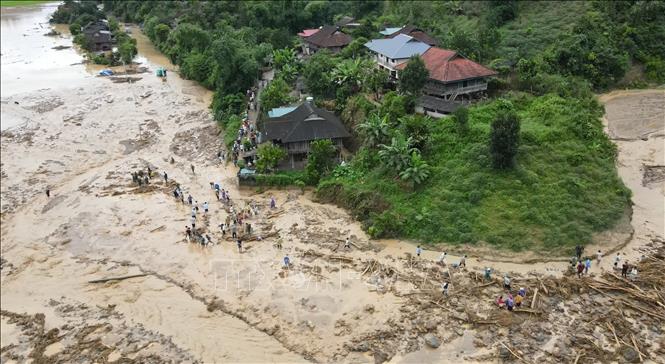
(297, 154)
(437, 88)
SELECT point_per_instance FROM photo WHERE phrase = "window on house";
(465, 83)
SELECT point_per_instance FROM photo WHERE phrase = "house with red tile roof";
(307, 32)
(451, 77)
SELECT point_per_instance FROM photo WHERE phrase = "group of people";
(511, 302)
(248, 138)
(141, 177)
(628, 271)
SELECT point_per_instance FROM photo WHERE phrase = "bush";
(269, 156)
(293, 178)
(276, 94)
(504, 140)
(320, 160)
(75, 28)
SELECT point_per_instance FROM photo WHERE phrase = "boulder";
(432, 341)
(361, 346)
(630, 355)
(504, 353)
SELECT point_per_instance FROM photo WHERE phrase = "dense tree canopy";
(413, 77)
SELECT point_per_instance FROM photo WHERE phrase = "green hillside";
(530, 169)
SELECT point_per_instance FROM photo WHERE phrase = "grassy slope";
(538, 25)
(23, 2)
(564, 188)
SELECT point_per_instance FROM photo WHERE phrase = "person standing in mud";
(166, 177)
(442, 259)
(506, 282)
(347, 243)
(234, 231)
(192, 167)
(624, 269)
(48, 192)
(287, 262)
(188, 233)
(580, 269)
(598, 256)
(462, 262)
(444, 288)
(418, 251)
(190, 199)
(579, 249)
(205, 207)
(239, 244)
(193, 220)
(223, 227)
(587, 265)
(617, 259)
(273, 204)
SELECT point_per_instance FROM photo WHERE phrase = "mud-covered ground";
(183, 302)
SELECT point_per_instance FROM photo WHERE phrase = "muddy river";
(81, 136)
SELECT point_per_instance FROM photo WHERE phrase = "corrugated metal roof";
(279, 111)
(400, 47)
(389, 31)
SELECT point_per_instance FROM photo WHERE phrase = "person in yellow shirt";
(518, 300)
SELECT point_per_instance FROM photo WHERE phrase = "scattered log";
(117, 278)
(342, 258)
(527, 310)
(158, 229)
(632, 337)
(609, 326)
(512, 352)
(533, 301)
(626, 281)
(486, 284)
(650, 313)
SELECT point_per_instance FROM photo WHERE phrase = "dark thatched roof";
(417, 33)
(329, 36)
(306, 123)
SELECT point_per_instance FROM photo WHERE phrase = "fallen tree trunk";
(118, 278)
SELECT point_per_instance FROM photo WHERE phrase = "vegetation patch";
(563, 187)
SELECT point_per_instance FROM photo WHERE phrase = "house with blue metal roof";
(388, 53)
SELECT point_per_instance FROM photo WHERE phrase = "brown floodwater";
(29, 62)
